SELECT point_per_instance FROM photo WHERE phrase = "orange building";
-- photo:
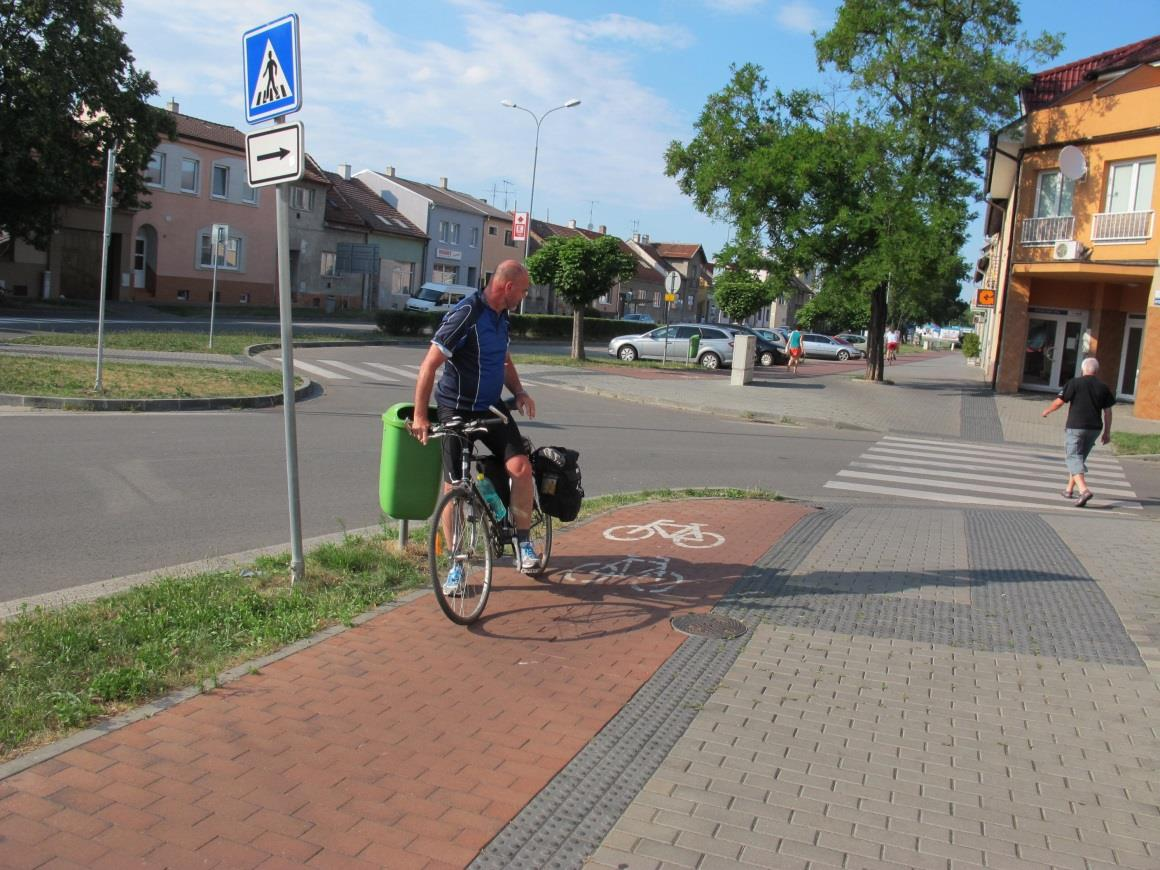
(1072, 272)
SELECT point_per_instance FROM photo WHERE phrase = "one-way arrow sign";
(274, 155)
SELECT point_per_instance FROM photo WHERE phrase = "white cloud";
(373, 97)
(733, 5)
(800, 17)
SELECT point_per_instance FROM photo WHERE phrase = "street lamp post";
(535, 159)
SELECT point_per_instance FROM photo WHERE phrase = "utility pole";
(591, 203)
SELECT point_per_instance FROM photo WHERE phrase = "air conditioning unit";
(1066, 250)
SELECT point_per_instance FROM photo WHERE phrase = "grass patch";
(65, 378)
(1131, 443)
(175, 341)
(60, 670)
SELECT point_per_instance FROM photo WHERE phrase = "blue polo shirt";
(474, 339)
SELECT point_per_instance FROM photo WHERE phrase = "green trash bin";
(694, 345)
(409, 472)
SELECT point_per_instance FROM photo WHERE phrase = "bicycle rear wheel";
(540, 533)
(469, 547)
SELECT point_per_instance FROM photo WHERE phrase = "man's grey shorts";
(1077, 444)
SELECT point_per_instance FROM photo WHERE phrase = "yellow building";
(1071, 190)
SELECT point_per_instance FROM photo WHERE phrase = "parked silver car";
(715, 348)
(823, 347)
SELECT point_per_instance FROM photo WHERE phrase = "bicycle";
(477, 539)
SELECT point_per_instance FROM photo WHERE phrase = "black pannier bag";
(557, 471)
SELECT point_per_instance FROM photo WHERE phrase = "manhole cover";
(709, 625)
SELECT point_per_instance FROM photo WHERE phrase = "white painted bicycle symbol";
(644, 575)
(690, 535)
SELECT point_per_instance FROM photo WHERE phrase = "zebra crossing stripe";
(997, 463)
(1041, 454)
(954, 485)
(316, 370)
(402, 373)
(366, 373)
(955, 498)
(984, 465)
(1034, 483)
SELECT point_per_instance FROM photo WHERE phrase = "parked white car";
(434, 296)
(715, 345)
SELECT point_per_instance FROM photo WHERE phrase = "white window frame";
(301, 198)
(1135, 204)
(249, 194)
(158, 158)
(328, 262)
(475, 237)
(225, 171)
(205, 245)
(1061, 183)
(196, 164)
(454, 240)
(441, 271)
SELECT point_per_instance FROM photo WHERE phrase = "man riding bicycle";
(471, 344)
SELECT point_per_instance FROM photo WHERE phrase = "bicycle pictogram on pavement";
(690, 535)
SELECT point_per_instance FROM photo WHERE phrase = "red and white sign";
(520, 227)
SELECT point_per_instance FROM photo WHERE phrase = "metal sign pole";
(297, 563)
(110, 172)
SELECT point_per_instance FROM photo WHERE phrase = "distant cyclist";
(471, 344)
(796, 351)
(893, 339)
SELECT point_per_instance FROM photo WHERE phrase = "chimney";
(644, 239)
(344, 171)
(443, 181)
(602, 229)
(390, 173)
(572, 224)
(172, 106)
(636, 237)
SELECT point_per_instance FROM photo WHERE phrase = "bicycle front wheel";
(460, 543)
(540, 533)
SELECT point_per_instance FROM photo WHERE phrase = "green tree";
(875, 196)
(738, 293)
(68, 91)
(581, 270)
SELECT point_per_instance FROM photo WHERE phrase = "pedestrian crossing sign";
(273, 79)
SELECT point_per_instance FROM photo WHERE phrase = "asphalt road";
(90, 497)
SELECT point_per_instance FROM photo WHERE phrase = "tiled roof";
(544, 230)
(207, 131)
(356, 204)
(314, 172)
(1048, 86)
(438, 195)
(478, 205)
(677, 250)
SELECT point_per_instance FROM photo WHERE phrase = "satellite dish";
(1072, 163)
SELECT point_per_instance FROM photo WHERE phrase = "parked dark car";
(768, 353)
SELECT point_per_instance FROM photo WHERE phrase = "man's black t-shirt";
(1087, 397)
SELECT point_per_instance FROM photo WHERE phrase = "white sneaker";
(527, 559)
(454, 583)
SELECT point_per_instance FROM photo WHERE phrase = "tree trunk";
(875, 342)
(578, 333)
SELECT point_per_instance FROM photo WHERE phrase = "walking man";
(1088, 398)
(472, 346)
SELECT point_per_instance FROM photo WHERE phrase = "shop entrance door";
(1054, 350)
(1130, 358)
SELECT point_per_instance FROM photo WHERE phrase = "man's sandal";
(1084, 498)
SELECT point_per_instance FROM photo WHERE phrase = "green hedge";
(553, 327)
(971, 345)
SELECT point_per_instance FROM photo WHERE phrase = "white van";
(434, 296)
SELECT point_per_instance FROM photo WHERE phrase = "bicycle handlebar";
(459, 426)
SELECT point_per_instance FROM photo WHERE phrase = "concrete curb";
(215, 403)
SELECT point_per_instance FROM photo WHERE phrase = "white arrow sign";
(274, 155)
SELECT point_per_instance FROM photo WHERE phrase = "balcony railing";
(1047, 230)
(1122, 226)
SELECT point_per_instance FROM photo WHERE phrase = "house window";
(398, 277)
(449, 232)
(249, 194)
(244, 299)
(229, 254)
(1130, 186)
(656, 297)
(1054, 196)
(301, 198)
(190, 169)
(445, 274)
(221, 182)
(182, 295)
(475, 237)
(507, 238)
(155, 171)
(491, 231)
(329, 264)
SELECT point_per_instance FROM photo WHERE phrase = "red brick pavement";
(405, 742)
(810, 368)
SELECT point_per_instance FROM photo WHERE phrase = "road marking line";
(912, 471)
(967, 499)
(366, 373)
(403, 373)
(316, 370)
(1041, 453)
(890, 453)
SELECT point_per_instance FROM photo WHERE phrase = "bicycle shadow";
(575, 601)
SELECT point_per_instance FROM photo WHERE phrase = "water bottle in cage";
(498, 509)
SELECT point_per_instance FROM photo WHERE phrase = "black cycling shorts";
(502, 439)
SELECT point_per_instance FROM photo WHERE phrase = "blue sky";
(418, 85)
